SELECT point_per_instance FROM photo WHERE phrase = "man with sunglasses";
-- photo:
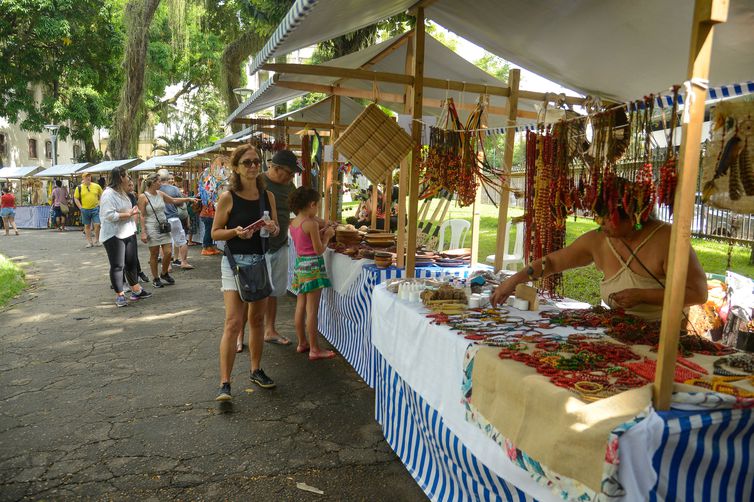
(86, 197)
(279, 180)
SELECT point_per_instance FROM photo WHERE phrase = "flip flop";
(239, 348)
(281, 340)
(302, 350)
(187, 267)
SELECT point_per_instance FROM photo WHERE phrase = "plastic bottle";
(264, 232)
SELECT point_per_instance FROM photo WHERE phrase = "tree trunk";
(124, 135)
(230, 74)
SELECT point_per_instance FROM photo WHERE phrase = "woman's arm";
(141, 203)
(174, 200)
(578, 254)
(273, 226)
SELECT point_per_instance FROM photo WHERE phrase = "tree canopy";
(72, 50)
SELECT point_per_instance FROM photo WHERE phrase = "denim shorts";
(228, 279)
(7, 212)
(90, 216)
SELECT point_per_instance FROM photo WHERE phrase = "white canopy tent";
(390, 57)
(62, 170)
(618, 50)
(109, 165)
(319, 112)
(18, 172)
(156, 163)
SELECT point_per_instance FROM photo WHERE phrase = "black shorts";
(57, 212)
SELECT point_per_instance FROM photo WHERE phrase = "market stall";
(414, 403)
(448, 446)
(39, 215)
(27, 193)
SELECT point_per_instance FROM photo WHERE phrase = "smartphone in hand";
(255, 226)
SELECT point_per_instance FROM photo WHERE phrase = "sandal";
(322, 354)
(187, 266)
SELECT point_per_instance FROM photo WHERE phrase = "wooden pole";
(404, 173)
(375, 188)
(416, 131)
(514, 77)
(388, 199)
(707, 13)
(334, 187)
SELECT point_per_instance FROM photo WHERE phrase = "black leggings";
(123, 258)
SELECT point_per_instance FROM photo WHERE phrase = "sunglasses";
(248, 162)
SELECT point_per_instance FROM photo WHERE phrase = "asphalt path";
(106, 403)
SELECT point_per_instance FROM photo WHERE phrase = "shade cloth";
(62, 170)
(109, 165)
(620, 50)
(389, 56)
(18, 172)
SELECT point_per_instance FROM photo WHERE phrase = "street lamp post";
(241, 93)
(53, 128)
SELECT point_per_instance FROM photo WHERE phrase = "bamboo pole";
(373, 223)
(514, 77)
(707, 13)
(388, 199)
(416, 131)
(404, 173)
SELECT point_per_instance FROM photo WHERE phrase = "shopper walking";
(207, 216)
(118, 235)
(87, 197)
(8, 210)
(309, 274)
(155, 229)
(238, 208)
(59, 205)
(177, 232)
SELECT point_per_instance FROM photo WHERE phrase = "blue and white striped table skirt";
(437, 459)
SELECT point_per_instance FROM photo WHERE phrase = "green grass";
(11, 280)
(583, 284)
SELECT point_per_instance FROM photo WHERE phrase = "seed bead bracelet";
(743, 362)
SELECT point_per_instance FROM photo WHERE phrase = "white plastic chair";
(458, 231)
(518, 247)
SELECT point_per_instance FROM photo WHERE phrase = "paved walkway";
(105, 403)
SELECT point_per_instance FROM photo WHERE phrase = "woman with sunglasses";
(118, 234)
(236, 210)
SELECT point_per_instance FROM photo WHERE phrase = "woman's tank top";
(626, 278)
(243, 213)
(304, 244)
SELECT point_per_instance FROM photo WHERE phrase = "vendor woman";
(634, 263)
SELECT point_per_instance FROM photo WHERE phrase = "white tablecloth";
(430, 358)
(342, 270)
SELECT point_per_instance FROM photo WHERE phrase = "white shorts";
(176, 232)
(277, 263)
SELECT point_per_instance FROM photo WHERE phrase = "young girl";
(309, 274)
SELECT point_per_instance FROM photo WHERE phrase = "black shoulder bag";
(252, 281)
(162, 227)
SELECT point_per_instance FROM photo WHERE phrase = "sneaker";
(143, 278)
(157, 283)
(140, 295)
(224, 393)
(97, 243)
(168, 279)
(120, 301)
(260, 378)
(89, 245)
(176, 262)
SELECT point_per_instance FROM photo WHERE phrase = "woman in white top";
(152, 210)
(118, 236)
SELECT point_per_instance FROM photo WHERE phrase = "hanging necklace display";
(669, 171)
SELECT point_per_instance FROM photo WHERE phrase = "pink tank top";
(304, 245)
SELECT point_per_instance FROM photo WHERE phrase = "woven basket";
(374, 143)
